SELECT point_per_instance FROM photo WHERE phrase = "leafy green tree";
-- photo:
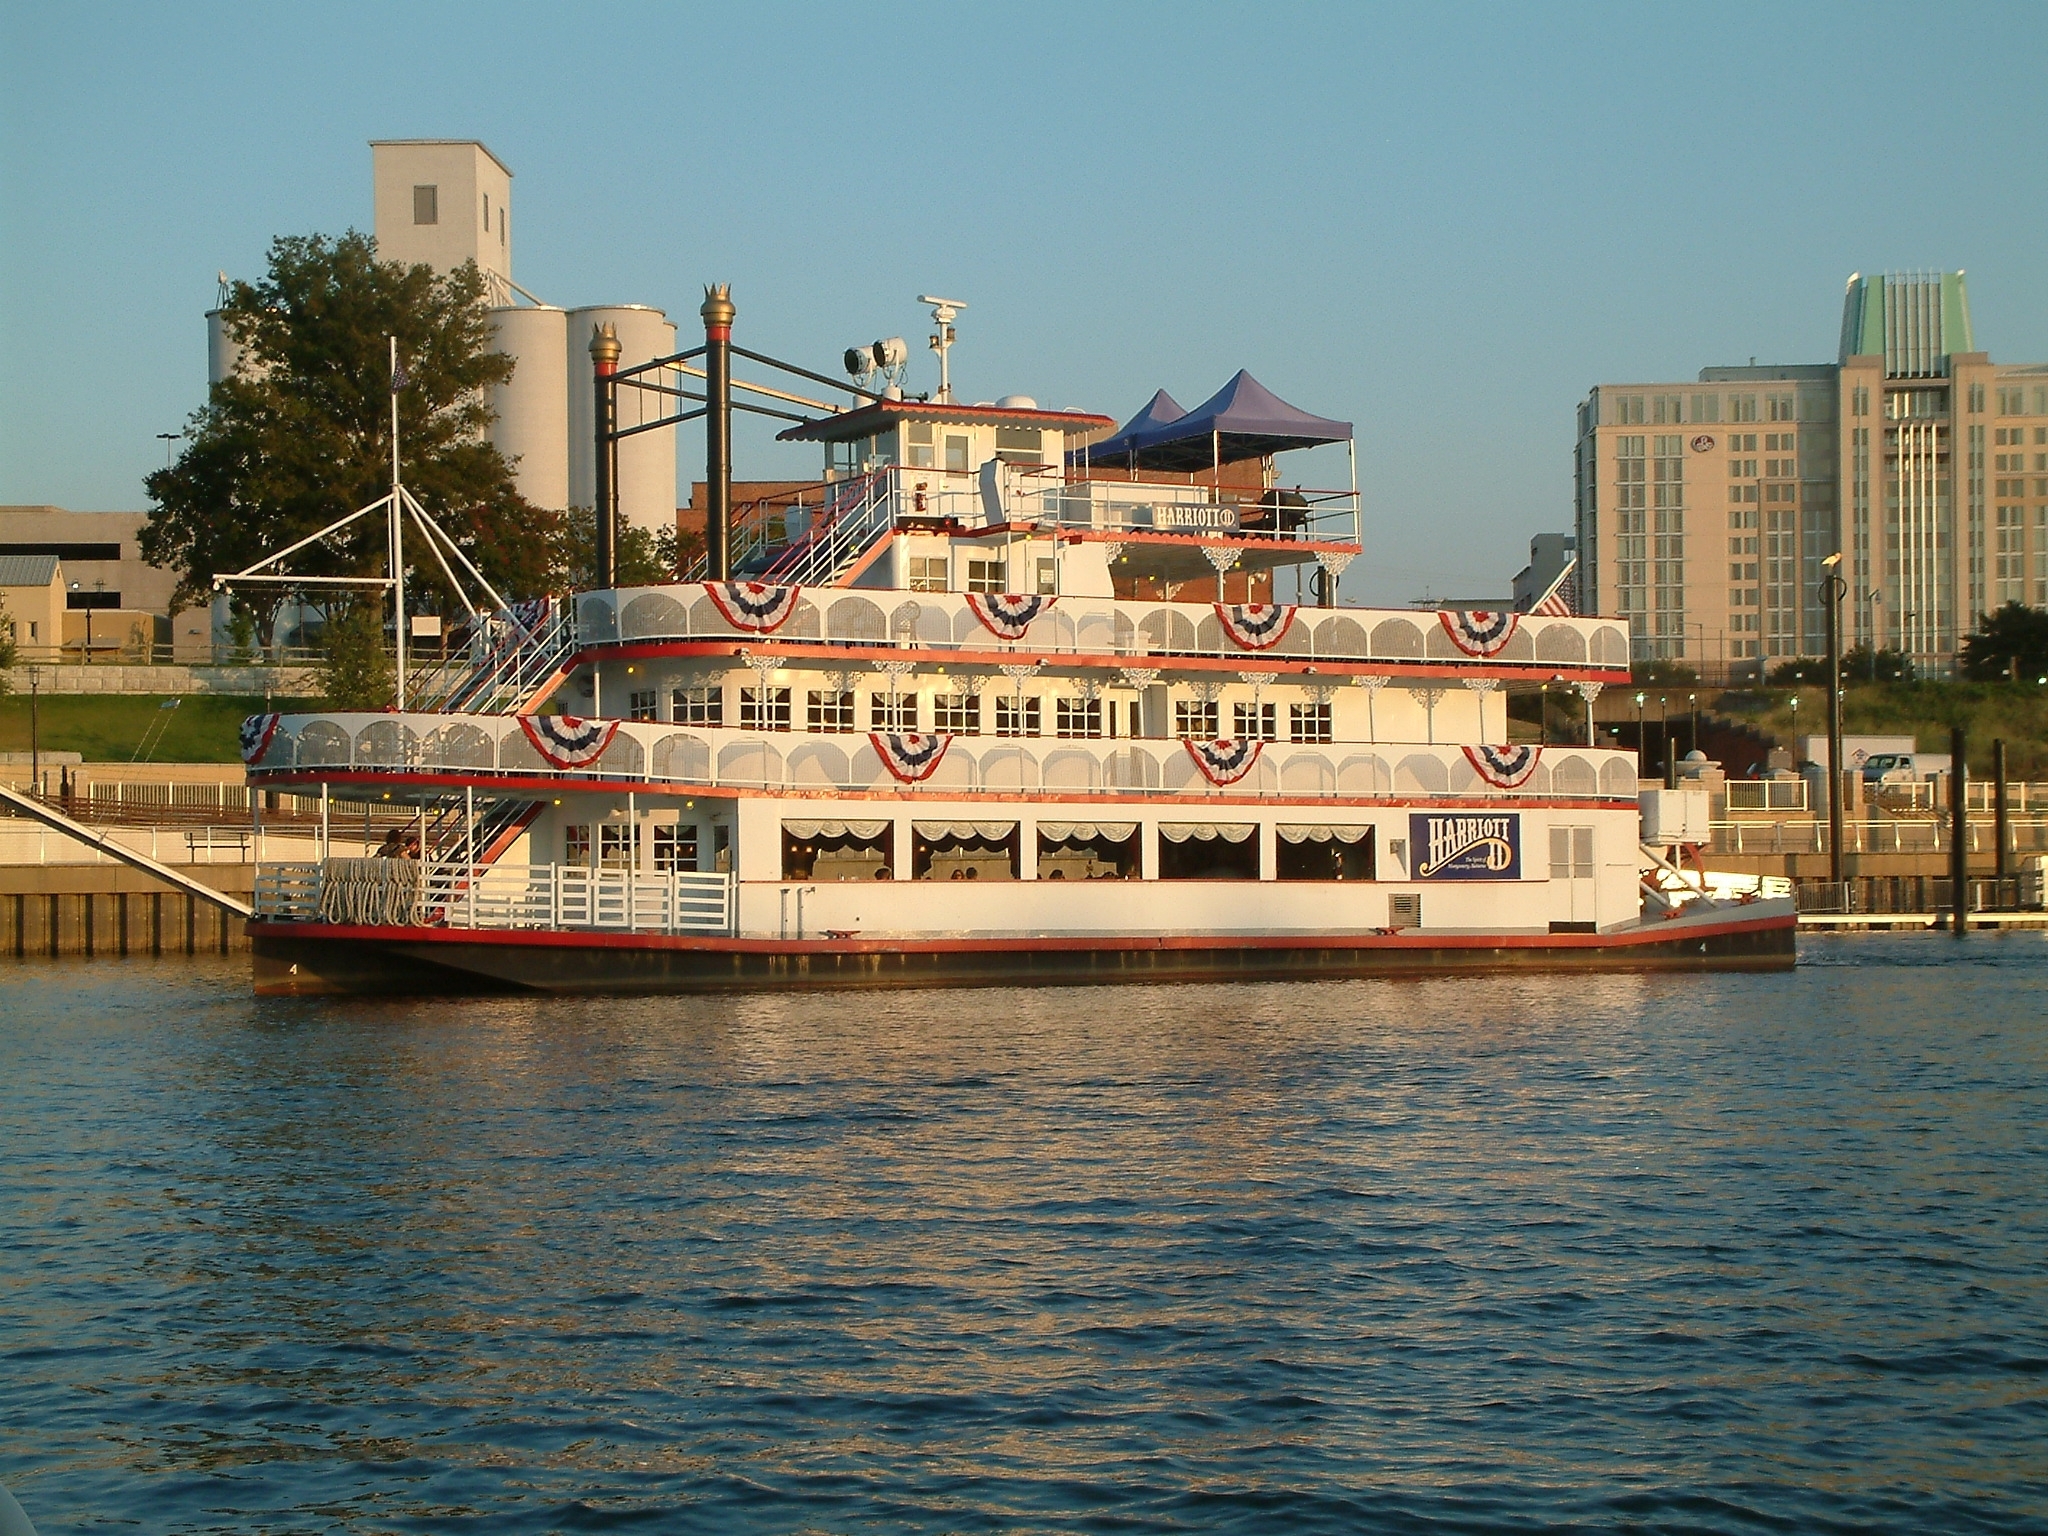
(300, 435)
(355, 670)
(643, 559)
(2012, 641)
(1861, 664)
(8, 653)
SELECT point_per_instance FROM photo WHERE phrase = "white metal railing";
(452, 894)
(1894, 835)
(1093, 627)
(1766, 794)
(483, 747)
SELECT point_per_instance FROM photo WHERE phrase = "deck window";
(987, 576)
(1321, 852)
(964, 850)
(614, 847)
(1077, 717)
(838, 850)
(829, 711)
(1308, 722)
(956, 454)
(957, 714)
(1196, 720)
(675, 847)
(1082, 850)
(698, 706)
(1017, 717)
(576, 845)
(1208, 851)
(892, 714)
(764, 709)
(1020, 445)
(1255, 722)
(927, 573)
(917, 445)
(643, 704)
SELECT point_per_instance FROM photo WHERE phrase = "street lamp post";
(1543, 716)
(1640, 742)
(1692, 739)
(1832, 590)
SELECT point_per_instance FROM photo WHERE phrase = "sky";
(1443, 223)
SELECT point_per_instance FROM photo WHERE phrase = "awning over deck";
(1242, 420)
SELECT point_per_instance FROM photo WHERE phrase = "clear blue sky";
(1442, 223)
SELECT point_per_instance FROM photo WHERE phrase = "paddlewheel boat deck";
(993, 708)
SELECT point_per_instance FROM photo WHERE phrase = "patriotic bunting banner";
(256, 733)
(753, 606)
(532, 614)
(1255, 626)
(566, 741)
(1223, 761)
(1007, 614)
(1504, 767)
(910, 755)
(1477, 632)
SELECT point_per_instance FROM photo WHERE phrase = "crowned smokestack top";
(718, 310)
(605, 348)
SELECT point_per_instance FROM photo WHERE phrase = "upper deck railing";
(843, 518)
(1101, 629)
(481, 748)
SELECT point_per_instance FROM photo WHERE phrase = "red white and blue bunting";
(753, 606)
(1504, 767)
(532, 614)
(911, 755)
(1255, 626)
(1477, 632)
(1007, 615)
(256, 733)
(1224, 761)
(566, 741)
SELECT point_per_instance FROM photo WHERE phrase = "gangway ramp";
(101, 842)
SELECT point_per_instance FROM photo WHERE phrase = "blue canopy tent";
(1242, 420)
(1160, 410)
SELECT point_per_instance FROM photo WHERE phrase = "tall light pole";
(1832, 590)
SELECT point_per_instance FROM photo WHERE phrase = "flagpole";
(396, 536)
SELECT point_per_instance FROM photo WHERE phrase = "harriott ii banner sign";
(1465, 847)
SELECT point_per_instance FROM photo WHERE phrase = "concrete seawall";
(57, 910)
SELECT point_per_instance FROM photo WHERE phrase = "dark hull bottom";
(311, 960)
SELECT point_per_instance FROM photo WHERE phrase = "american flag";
(1562, 600)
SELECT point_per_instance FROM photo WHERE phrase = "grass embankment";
(2016, 714)
(107, 728)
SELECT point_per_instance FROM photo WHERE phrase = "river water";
(1730, 1253)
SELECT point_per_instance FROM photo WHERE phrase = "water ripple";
(1723, 1254)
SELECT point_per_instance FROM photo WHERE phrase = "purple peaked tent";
(1159, 410)
(1242, 420)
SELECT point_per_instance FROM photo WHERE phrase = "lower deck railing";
(407, 893)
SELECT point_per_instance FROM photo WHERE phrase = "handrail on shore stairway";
(29, 806)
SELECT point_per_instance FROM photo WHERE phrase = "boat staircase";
(508, 661)
(851, 520)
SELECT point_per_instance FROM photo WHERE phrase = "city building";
(1704, 508)
(110, 603)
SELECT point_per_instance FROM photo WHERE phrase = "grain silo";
(647, 462)
(532, 408)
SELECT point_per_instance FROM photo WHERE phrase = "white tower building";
(446, 201)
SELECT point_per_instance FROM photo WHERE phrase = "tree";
(7, 648)
(355, 670)
(2011, 641)
(300, 434)
(1860, 664)
(641, 559)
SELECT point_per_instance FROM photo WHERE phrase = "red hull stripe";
(528, 939)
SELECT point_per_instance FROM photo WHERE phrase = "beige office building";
(1704, 508)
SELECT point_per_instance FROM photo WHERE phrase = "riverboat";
(998, 701)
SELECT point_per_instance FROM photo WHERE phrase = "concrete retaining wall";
(88, 910)
(243, 682)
